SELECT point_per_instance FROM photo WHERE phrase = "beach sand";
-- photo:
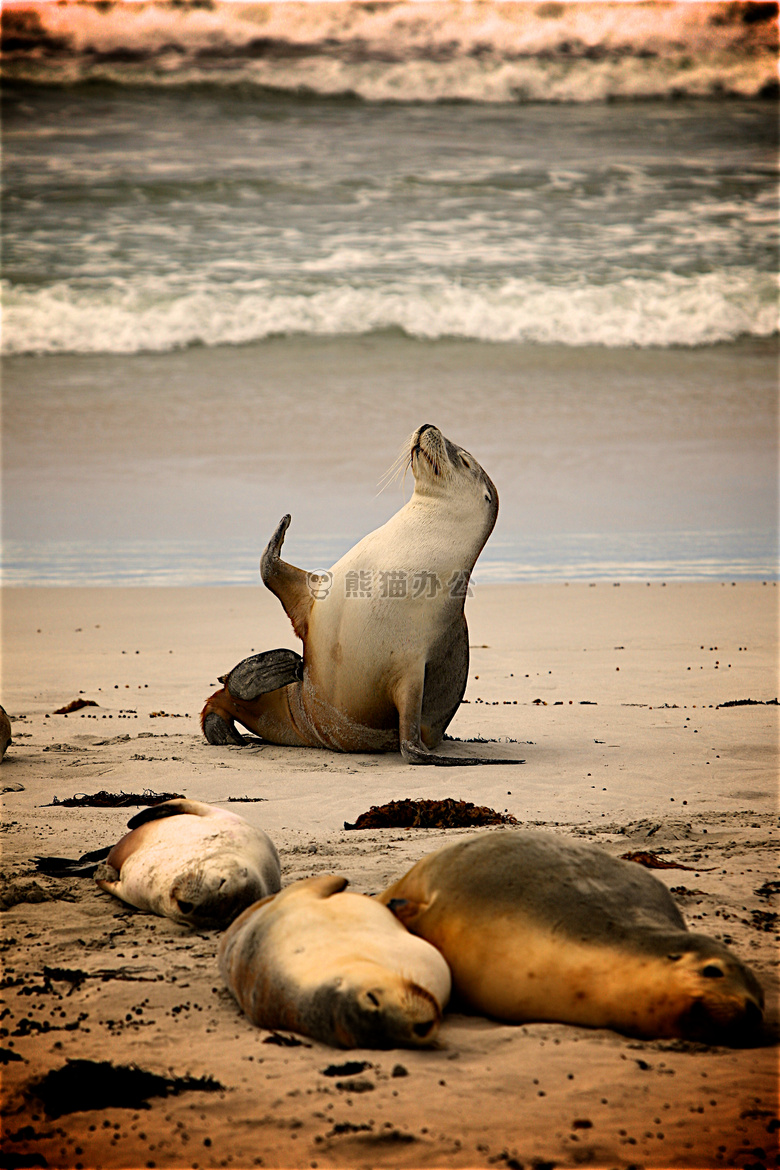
(614, 697)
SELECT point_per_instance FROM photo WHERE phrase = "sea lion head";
(720, 1000)
(212, 895)
(371, 1007)
(440, 467)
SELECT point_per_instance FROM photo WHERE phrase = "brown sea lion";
(538, 927)
(5, 732)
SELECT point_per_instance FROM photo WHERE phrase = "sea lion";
(191, 862)
(385, 641)
(537, 927)
(334, 966)
(5, 732)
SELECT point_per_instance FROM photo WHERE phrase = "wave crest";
(410, 50)
(151, 316)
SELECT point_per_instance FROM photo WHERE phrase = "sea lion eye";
(373, 998)
(712, 972)
(186, 907)
(674, 958)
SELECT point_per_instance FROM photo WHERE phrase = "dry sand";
(610, 693)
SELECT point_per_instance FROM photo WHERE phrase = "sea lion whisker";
(400, 464)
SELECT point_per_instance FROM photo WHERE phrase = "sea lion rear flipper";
(220, 730)
(84, 866)
(170, 808)
(289, 583)
(261, 673)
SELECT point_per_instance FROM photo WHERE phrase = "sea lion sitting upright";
(335, 966)
(537, 927)
(385, 641)
(191, 862)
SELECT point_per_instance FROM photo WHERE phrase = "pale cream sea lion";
(385, 641)
(191, 862)
(537, 927)
(335, 966)
(5, 732)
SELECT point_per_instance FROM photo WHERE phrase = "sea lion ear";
(405, 909)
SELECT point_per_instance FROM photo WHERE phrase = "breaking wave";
(412, 50)
(148, 314)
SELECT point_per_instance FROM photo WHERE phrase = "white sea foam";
(494, 51)
(152, 315)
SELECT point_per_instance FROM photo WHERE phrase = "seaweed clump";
(88, 1084)
(104, 799)
(429, 814)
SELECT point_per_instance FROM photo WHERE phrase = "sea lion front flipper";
(406, 910)
(170, 808)
(107, 877)
(289, 583)
(413, 750)
(261, 673)
(324, 885)
(413, 754)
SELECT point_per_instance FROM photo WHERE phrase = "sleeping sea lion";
(191, 862)
(334, 966)
(385, 641)
(538, 927)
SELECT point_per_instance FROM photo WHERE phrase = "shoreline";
(613, 695)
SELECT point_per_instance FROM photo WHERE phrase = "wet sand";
(214, 445)
(613, 696)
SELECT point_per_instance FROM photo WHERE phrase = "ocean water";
(147, 220)
(231, 287)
